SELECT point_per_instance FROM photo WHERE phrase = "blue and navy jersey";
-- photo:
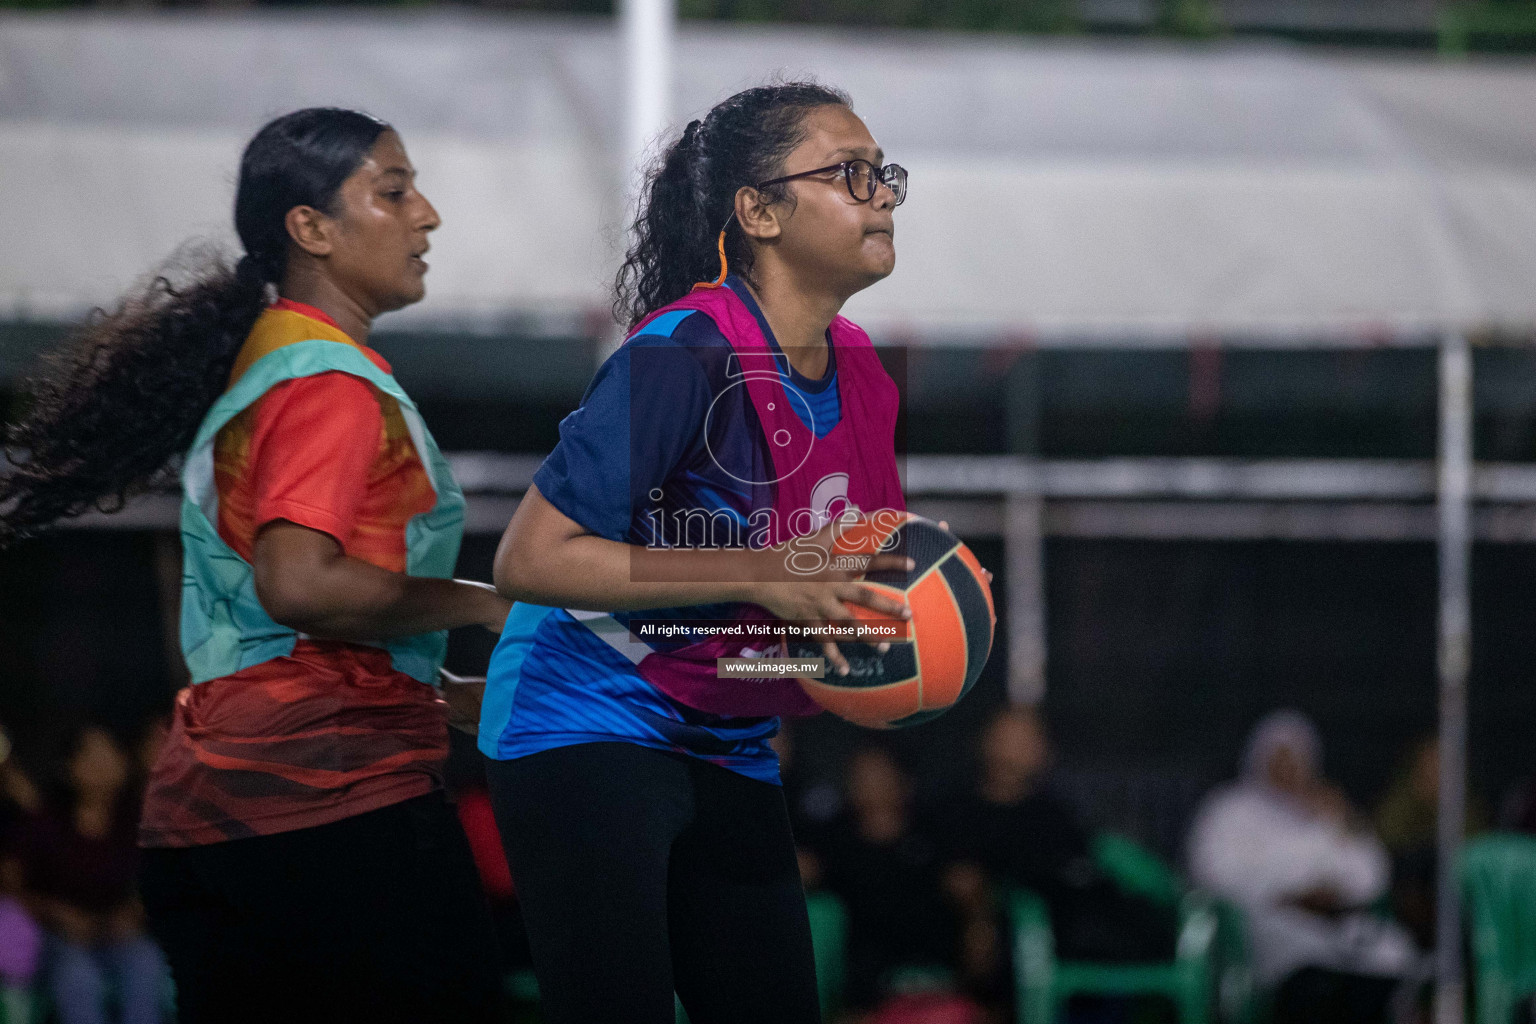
(665, 450)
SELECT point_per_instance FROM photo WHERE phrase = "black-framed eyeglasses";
(861, 177)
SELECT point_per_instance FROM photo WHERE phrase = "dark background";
(1162, 655)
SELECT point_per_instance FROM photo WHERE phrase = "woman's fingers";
(883, 603)
(463, 695)
(836, 663)
(833, 608)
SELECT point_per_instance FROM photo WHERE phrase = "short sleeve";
(311, 448)
(642, 414)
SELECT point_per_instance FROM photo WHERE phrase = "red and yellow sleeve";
(312, 443)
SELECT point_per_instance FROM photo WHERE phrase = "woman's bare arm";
(547, 558)
(306, 582)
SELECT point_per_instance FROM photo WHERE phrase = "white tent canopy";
(1060, 191)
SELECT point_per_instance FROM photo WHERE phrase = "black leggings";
(376, 918)
(640, 872)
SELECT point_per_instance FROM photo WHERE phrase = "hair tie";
(724, 266)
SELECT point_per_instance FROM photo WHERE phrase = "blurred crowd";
(73, 945)
(1337, 906)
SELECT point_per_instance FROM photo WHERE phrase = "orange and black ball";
(948, 637)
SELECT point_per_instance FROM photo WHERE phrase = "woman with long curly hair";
(302, 862)
(636, 792)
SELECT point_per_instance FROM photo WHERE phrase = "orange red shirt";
(330, 730)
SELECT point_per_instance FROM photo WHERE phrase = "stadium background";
(1189, 270)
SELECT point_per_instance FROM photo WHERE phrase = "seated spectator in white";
(1284, 844)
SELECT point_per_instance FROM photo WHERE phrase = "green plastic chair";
(17, 1006)
(1137, 869)
(1238, 999)
(522, 986)
(1498, 877)
(829, 937)
(829, 940)
(1043, 984)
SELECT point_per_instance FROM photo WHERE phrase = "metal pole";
(1024, 539)
(647, 28)
(1024, 556)
(1455, 648)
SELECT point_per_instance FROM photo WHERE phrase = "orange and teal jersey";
(332, 476)
(283, 731)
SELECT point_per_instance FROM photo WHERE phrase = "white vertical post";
(1024, 556)
(1455, 649)
(647, 28)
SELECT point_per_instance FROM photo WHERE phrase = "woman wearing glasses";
(635, 789)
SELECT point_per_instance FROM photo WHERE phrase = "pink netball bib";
(852, 467)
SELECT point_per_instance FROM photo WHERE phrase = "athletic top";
(330, 729)
(850, 470)
(668, 449)
(552, 681)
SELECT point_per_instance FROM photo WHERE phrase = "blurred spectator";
(887, 878)
(1014, 829)
(814, 801)
(1406, 822)
(20, 938)
(928, 1008)
(1517, 807)
(151, 739)
(18, 793)
(78, 859)
(1284, 844)
(813, 804)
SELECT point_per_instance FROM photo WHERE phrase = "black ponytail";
(108, 412)
(690, 194)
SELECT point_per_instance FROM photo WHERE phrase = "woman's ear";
(758, 218)
(310, 230)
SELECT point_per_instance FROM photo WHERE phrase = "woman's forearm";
(354, 600)
(547, 558)
(593, 573)
(305, 582)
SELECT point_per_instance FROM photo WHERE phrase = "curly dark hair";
(690, 192)
(108, 411)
